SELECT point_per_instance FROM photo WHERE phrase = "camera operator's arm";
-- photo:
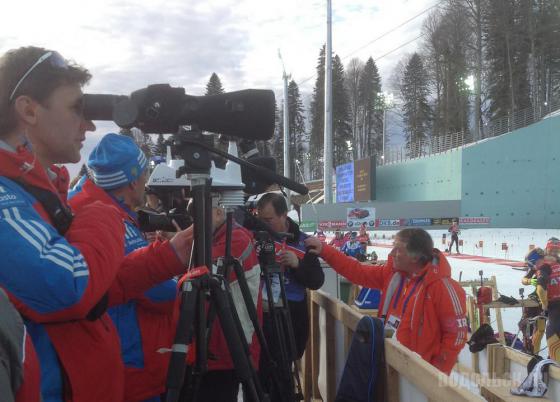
(150, 266)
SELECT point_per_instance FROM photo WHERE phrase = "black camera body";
(149, 221)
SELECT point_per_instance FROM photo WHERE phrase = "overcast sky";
(129, 44)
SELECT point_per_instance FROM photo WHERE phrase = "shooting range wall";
(513, 179)
(432, 178)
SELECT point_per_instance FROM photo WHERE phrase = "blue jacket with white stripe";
(55, 281)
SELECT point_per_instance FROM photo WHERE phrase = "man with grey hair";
(421, 303)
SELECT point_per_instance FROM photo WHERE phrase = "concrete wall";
(515, 178)
(424, 179)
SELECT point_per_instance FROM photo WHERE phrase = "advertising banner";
(442, 221)
(474, 220)
(386, 223)
(419, 222)
(364, 179)
(308, 226)
(355, 217)
(332, 225)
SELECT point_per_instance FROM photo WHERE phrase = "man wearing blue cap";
(117, 170)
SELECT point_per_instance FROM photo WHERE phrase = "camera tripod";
(280, 320)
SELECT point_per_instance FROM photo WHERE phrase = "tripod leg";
(183, 336)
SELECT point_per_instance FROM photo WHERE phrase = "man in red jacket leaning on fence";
(420, 301)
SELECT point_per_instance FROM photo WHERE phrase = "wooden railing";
(405, 374)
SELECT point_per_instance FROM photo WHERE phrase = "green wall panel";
(424, 179)
(515, 178)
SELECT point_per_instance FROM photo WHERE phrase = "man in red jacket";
(60, 271)
(145, 322)
(421, 303)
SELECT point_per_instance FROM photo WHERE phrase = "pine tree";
(371, 137)
(318, 119)
(414, 92)
(448, 39)
(507, 53)
(354, 71)
(276, 143)
(544, 61)
(341, 115)
(214, 86)
(298, 137)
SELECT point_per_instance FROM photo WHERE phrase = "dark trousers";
(454, 239)
(215, 386)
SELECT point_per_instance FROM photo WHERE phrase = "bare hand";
(182, 243)
(314, 245)
(151, 236)
(289, 259)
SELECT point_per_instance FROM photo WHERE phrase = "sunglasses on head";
(54, 59)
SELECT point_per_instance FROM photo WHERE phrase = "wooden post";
(330, 338)
(392, 384)
(494, 285)
(306, 373)
(315, 349)
(497, 364)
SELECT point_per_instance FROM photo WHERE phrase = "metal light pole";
(328, 148)
(384, 129)
(286, 128)
(387, 103)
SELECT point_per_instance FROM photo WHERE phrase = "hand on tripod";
(182, 243)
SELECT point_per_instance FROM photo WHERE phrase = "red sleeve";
(450, 302)
(98, 232)
(369, 276)
(143, 269)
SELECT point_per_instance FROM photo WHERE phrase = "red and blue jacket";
(242, 248)
(145, 321)
(55, 281)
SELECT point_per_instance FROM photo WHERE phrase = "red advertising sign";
(332, 225)
(474, 220)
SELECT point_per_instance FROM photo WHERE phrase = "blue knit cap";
(115, 162)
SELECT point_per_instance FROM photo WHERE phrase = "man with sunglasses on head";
(58, 269)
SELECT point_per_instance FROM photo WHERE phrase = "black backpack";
(361, 380)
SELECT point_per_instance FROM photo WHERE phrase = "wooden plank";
(500, 393)
(521, 358)
(315, 351)
(520, 303)
(500, 323)
(348, 335)
(306, 377)
(423, 375)
(340, 311)
(498, 367)
(476, 283)
(392, 385)
(330, 338)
